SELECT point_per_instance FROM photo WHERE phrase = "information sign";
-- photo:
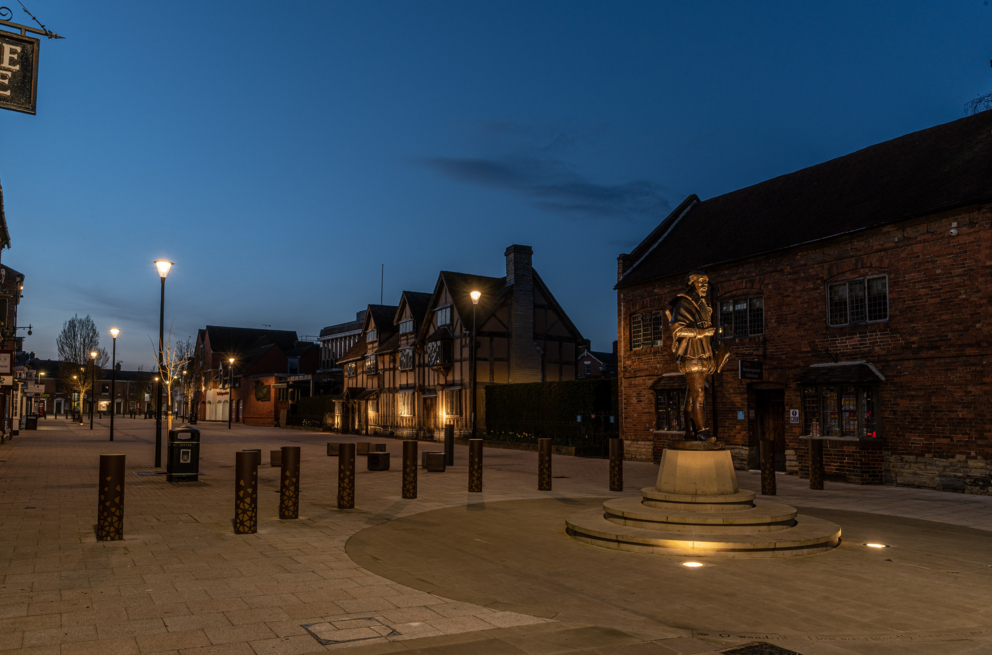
(18, 72)
(793, 416)
(750, 370)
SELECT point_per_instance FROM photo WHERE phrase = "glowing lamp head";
(93, 354)
(232, 361)
(114, 332)
(475, 297)
(163, 267)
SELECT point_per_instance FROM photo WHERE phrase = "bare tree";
(189, 379)
(978, 105)
(78, 338)
(175, 355)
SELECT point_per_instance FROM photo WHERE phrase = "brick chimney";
(525, 358)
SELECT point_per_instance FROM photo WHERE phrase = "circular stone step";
(742, 500)
(764, 517)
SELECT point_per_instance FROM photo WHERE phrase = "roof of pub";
(923, 173)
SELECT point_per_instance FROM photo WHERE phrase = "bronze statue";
(692, 329)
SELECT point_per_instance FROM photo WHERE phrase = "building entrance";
(770, 419)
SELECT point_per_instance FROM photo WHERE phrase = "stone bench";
(275, 457)
(434, 462)
(378, 461)
(333, 449)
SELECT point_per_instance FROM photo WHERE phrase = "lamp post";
(41, 374)
(163, 267)
(113, 381)
(70, 399)
(475, 301)
(93, 355)
(230, 393)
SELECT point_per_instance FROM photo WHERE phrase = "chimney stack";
(525, 359)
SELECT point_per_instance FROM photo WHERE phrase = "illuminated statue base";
(696, 509)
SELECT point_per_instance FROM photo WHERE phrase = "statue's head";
(698, 281)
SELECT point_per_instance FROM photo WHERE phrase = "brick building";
(857, 293)
(594, 364)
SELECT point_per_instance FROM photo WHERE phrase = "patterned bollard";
(289, 483)
(110, 510)
(409, 469)
(767, 468)
(544, 464)
(475, 465)
(616, 464)
(815, 464)
(346, 476)
(246, 493)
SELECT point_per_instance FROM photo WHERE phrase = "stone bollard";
(449, 445)
(475, 465)
(110, 510)
(346, 476)
(544, 464)
(815, 464)
(246, 493)
(767, 468)
(616, 464)
(409, 469)
(289, 483)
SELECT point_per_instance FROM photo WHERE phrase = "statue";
(692, 329)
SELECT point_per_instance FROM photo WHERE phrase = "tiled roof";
(460, 285)
(418, 302)
(240, 340)
(357, 351)
(919, 174)
(390, 345)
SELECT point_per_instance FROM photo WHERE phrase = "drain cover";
(759, 648)
(345, 630)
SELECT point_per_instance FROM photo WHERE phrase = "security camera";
(954, 231)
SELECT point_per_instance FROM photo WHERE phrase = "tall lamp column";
(93, 355)
(475, 301)
(113, 382)
(230, 393)
(163, 267)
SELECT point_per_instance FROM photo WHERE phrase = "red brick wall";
(933, 350)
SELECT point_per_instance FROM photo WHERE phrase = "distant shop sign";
(750, 370)
(18, 72)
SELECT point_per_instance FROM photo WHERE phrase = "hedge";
(315, 406)
(550, 408)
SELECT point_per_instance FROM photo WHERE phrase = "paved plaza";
(451, 572)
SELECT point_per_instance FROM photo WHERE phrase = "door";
(430, 414)
(770, 415)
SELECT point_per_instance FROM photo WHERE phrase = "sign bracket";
(6, 14)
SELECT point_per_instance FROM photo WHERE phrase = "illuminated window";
(406, 359)
(351, 370)
(453, 402)
(668, 410)
(406, 404)
(843, 410)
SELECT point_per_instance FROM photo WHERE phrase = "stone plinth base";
(697, 509)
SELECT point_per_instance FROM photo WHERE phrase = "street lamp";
(163, 267)
(93, 355)
(230, 393)
(113, 381)
(41, 374)
(475, 301)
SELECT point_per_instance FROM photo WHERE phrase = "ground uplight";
(693, 565)
(877, 545)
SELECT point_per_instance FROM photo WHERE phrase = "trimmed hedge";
(549, 409)
(315, 406)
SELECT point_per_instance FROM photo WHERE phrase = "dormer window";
(371, 335)
(370, 364)
(443, 316)
(406, 326)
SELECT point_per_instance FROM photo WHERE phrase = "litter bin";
(31, 422)
(183, 464)
(192, 418)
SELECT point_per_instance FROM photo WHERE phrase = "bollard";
(449, 445)
(544, 464)
(815, 464)
(245, 493)
(346, 476)
(258, 454)
(475, 465)
(767, 468)
(289, 483)
(616, 464)
(409, 469)
(110, 510)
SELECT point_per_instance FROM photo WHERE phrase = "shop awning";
(841, 373)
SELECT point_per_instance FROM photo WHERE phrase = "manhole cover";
(345, 630)
(759, 648)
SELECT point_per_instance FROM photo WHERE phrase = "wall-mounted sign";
(6, 380)
(750, 370)
(18, 72)
(793, 416)
(740, 414)
(7, 363)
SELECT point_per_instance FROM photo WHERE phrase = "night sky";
(279, 153)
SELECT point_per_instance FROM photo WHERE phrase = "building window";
(841, 411)
(371, 336)
(106, 389)
(668, 410)
(406, 326)
(283, 395)
(370, 364)
(742, 317)
(373, 405)
(443, 316)
(406, 404)
(439, 353)
(351, 370)
(865, 300)
(588, 367)
(406, 359)
(646, 330)
(453, 402)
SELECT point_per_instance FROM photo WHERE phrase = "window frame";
(400, 363)
(448, 395)
(351, 370)
(863, 394)
(371, 365)
(371, 335)
(666, 394)
(446, 309)
(407, 404)
(655, 330)
(406, 326)
(864, 281)
(748, 319)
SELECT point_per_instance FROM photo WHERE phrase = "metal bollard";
(245, 492)
(409, 469)
(110, 509)
(544, 464)
(289, 483)
(346, 476)
(475, 465)
(616, 464)
(767, 468)
(815, 464)
(449, 445)
(258, 454)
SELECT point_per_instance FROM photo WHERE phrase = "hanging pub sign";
(750, 370)
(18, 72)
(6, 368)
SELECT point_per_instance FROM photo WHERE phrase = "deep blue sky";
(279, 153)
